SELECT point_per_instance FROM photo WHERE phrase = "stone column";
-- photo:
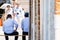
(47, 19)
(35, 19)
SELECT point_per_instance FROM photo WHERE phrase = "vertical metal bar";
(33, 19)
(30, 20)
(41, 20)
(38, 19)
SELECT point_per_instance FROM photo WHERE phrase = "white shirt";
(10, 11)
(18, 10)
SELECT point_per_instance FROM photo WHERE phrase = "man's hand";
(22, 29)
(15, 30)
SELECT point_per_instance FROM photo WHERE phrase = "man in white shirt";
(18, 13)
(8, 10)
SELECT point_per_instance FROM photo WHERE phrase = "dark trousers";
(14, 33)
(24, 37)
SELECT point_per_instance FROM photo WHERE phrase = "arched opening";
(34, 10)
